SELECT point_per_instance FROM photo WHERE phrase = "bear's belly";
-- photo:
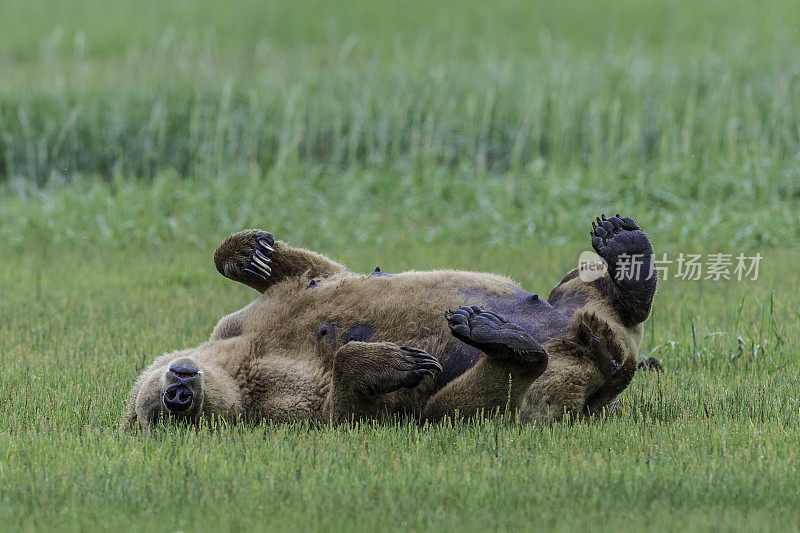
(533, 313)
(405, 309)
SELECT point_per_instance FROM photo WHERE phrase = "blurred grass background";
(134, 136)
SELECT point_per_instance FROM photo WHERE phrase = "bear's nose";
(184, 369)
(178, 397)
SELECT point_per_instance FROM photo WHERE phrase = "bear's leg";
(629, 255)
(499, 380)
(255, 258)
(363, 371)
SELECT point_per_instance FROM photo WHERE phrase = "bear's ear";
(129, 419)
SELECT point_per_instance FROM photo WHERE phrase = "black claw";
(263, 242)
(419, 361)
(413, 350)
(421, 374)
(254, 273)
(617, 224)
(494, 317)
(256, 262)
(255, 266)
(457, 318)
(261, 255)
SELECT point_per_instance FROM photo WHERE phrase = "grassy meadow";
(135, 136)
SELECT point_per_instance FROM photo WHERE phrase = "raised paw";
(618, 239)
(247, 257)
(412, 365)
(377, 368)
(258, 263)
(493, 334)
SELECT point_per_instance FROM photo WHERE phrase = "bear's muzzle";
(184, 387)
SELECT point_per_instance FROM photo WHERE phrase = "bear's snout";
(178, 397)
(184, 369)
(184, 382)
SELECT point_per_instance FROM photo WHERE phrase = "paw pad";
(605, 228)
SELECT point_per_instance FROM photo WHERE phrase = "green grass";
(135, 136)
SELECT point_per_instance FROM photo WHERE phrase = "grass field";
(135, 136)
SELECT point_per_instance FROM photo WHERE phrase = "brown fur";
(273, 359)
(578, 379)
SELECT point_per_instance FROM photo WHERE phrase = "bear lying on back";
(324, 343)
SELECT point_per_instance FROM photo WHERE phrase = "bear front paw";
(258, 262)
(247, 257)
(377, 368)
(411, 367)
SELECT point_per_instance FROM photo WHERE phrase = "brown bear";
(325, 343)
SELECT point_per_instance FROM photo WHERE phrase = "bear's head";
(187, 385)
(586, 372)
